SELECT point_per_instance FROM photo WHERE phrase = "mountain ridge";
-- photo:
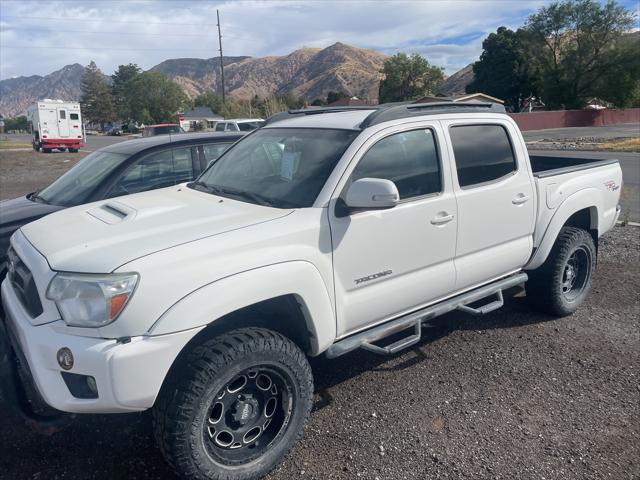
(307, 72)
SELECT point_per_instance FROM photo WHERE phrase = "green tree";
(408, 77)
(335, 96)
(573, 44)
(154, 99)
(503, 69)
(96, 100)
(121, 77)
(18, 123)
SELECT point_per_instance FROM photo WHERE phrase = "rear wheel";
(560, 285)
(73, 150)
(46, 150)
(237, 409)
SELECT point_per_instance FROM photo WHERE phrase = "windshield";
(280, 167)
(76, 186)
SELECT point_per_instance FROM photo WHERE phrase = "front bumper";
(128, 374)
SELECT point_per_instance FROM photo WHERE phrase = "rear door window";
(483, 153)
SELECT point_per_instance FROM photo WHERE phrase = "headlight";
(91, 300)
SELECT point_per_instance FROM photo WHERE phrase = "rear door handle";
(441, 219)
(520, 199)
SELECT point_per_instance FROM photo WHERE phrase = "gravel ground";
(513, 395)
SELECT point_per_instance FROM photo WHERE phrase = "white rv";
(56, 124)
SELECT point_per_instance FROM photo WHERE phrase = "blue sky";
(38, 37)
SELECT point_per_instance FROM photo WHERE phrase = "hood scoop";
(112, 213)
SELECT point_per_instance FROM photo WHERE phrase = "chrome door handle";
(520, 199)
(441, 219)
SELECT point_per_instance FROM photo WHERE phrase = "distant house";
(481, 97)
(349, 102)
(204, 115)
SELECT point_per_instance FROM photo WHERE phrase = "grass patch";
(9, 145)
(622, 145)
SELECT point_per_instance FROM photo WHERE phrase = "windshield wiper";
(227, 191)
(35, 196)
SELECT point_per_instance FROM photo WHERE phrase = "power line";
(38, 47)
(111, 20)
(105, 32)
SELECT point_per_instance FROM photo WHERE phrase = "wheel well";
(282, 314)
(586, 219)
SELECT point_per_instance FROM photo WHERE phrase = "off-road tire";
(545, 285)
(183, 406)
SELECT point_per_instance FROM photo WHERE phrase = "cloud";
(39, 37)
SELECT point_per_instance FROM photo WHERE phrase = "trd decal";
(611, 185)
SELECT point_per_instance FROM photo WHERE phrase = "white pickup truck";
(322, 232)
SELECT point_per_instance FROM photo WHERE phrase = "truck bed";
(546, 166)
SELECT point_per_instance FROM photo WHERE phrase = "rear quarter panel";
(560, 196)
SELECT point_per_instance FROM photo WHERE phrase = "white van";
(56, 124)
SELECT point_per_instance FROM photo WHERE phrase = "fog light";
(65, 358)
(91, 384)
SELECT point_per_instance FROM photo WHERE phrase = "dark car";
(126, 167)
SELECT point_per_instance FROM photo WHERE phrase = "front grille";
(23, 284)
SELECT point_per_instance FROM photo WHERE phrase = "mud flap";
(13, 395)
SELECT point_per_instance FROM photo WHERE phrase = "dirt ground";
(25, 171)
(513, 395)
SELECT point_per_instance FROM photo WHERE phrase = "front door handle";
(441, 219)
(520, 199)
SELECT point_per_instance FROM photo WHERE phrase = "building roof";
(201, 112)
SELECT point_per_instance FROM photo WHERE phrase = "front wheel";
(561, 283)
(236, 408)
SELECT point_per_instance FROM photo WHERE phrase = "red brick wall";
(575, 118)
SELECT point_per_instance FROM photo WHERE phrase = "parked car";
(119, 169)
(239, 125)
(161, 129)
(320, 233)
(114, 131)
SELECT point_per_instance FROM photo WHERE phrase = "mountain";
(308, 72)
(456, 83)
(16, 94)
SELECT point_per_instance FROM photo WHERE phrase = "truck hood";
(99, 237)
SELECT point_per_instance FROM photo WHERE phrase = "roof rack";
(393, 111)
(314, 111)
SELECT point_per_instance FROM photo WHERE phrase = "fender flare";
(589, 198)
(214, 300)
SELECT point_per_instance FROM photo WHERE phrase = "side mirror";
(372, 193)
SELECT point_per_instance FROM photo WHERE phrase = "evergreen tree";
(96, 100)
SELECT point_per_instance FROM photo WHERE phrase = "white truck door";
(388, 262)
(63, 123)
(496, 204)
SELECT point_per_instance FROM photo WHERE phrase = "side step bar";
(367, 338)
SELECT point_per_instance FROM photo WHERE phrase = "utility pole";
(221, 61)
